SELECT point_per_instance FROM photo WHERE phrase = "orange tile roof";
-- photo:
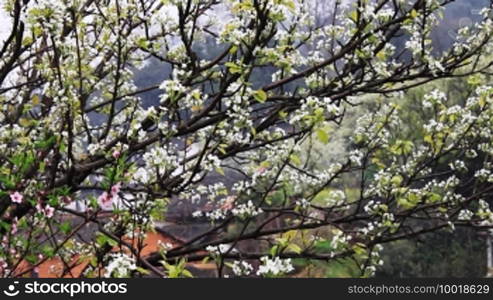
(56, 268)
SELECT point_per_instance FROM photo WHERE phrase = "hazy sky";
(4, 21)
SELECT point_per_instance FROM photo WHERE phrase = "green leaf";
(65, 227)
(353, 16)
(143, 43)
(429, 139)
(404, 203)
(482, 101)
(220, 171)
(474, 80)
(294, 248)
(233, 49)
(260, 96)
(233, 68)
(402, 147)
(322, 136)
(414, 14)
(290, 4)
(35, 99)
(396, 180)
(295, 159)
(143, 271)
(283, 114)
(48, 251)
(381, 55)
(359, 249)
(186, 273)
(433, 197)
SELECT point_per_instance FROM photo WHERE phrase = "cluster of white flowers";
(484, 210)
(214, 215)
(356, 157)
(374, 261)
(172, 89)
(212, 162)
(233, 33)
(471, 153)
(373, 129)
(221, 206)
(164, 246)
(459, 166)
(246, 210)
(339, 239)
(120, 266)
(336, 198)
(274, 267)
(303, 204)
(241, 268)
(160, 158)
(220, 249)
(313, 106)
(95, 148)
(375, 207)
(484, 175)
(142, 176)
(465, 215)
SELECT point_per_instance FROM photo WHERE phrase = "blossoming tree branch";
(253, 157)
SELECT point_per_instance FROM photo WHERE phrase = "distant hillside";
(457, 14)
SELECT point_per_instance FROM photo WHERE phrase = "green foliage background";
(439, 254)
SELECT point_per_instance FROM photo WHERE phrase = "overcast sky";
(3, 26)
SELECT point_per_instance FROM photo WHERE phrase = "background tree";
(77, 140)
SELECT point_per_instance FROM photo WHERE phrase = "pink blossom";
(3, 267)
(115, 189)
(105, 200)
(66, 199)
(229, 203)
(261, 170)
(49, 211)
(116, 154)
(16, 197)
(39, 207)
(13, 228)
